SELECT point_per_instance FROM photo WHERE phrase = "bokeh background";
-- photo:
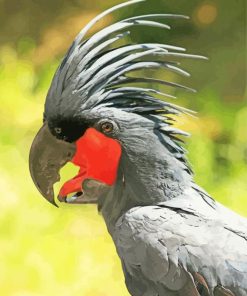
(47, 251)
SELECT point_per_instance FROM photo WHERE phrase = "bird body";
(182, 247)
(173, 239)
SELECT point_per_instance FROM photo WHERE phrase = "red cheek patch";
(98, 158)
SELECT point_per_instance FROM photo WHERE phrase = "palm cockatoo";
(172, 237)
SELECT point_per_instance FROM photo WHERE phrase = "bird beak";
(96, 155)
(47, 156)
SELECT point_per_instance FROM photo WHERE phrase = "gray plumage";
(173, 239)
(163, 247)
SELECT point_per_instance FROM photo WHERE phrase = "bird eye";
(58, 130)
(107, 127)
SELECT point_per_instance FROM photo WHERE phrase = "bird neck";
(143, 181)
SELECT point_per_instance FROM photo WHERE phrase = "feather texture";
(163, 245)
(94, 73)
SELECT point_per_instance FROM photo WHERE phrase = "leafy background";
(67, 251)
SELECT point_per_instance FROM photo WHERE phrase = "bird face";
(93, 105)
(92, 148)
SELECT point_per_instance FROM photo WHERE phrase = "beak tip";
(51, 201)
(54, 204)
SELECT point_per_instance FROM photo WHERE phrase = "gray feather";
(172, 237)
(159, 15)
(191, 240)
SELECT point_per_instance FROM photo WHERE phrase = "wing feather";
(183, 250)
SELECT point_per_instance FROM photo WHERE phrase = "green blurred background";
(48, 251)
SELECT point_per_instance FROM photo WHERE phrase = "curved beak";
(47, 156)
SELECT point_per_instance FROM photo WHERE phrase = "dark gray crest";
(92, 75)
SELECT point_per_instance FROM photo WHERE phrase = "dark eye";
(107, 127)
(58, 130)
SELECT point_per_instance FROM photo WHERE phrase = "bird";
(172, 237)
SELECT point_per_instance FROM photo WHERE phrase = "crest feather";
(95, 73)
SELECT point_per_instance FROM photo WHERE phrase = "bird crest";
(95, 73)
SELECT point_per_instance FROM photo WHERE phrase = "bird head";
(99, 118)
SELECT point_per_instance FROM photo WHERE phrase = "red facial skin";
(98, 158)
